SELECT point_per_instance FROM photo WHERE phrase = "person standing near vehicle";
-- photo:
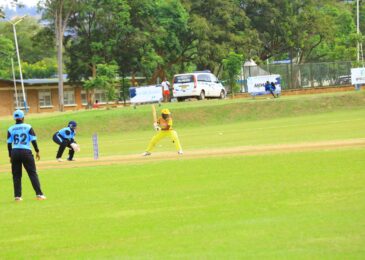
(19, 138)
(65, 138)
(166, 90)
(163, 126)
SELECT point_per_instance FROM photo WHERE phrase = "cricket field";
(261, 179)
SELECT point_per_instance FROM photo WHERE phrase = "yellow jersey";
(165, 124)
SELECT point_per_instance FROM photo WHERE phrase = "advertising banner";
(357, 76)
(256, 85)
(145, 94)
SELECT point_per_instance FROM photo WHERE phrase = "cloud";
(28, 3)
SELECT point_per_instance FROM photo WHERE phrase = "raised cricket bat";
(154, 115)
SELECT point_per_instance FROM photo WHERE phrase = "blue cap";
(18, 114)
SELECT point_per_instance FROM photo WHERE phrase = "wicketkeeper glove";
(156, 127)
(75, 147)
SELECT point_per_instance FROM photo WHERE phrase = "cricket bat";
(154, 115)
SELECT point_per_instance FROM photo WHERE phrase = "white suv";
(199, 84)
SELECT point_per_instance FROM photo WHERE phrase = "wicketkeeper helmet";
(72, 124)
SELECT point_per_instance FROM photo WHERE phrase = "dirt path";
(241, 150)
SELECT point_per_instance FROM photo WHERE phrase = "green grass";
(291, 205)
(192, 114)
(298, 205)
(338, 125)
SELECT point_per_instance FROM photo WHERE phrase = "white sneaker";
(146, 154)
(180, 152)
(18, 199)
(59, 159)
(41, 197)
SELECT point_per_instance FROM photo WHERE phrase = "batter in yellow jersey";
(164, 129)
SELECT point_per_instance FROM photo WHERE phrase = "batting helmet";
(72, 124)
(165, 111)
(18, 114)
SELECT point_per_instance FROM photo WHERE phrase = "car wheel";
(179, 99)
(222, 95)
(202, 95)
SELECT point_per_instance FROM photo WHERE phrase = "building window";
(83, 97)
(20, 104)
(99, 95)
(45, 98)
(69, 97)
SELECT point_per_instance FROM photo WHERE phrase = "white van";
(199, 84)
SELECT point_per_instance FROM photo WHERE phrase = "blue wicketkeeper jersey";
(67, 133)
(20, 136)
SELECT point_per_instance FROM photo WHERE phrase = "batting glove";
(156, 127)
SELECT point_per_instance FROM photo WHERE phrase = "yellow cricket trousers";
(162, 134)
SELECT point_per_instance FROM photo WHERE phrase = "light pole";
(358, 86)
(358, 30)
(14, 80)
(18, 56)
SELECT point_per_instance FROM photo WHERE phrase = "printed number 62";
(23, 139)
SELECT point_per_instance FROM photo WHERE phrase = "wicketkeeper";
(19, 138)
(65, 138)
(163, 126)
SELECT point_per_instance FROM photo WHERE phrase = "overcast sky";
(29, 3)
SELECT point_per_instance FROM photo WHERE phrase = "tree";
(160, 38)
(219, 27)
(342, 46)
(33, 39)
(313, 28)
(157, 41)
(361, 24)
(232, 67)
(296, 27)
(106, 79)
(272, 21)
(168, 42)
(58, 11)
(97, 30)
(6, 53)
(41, 69)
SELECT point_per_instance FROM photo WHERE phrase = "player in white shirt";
(166, 90)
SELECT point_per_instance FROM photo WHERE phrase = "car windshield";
(184, 79)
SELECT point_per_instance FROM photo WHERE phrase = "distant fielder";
(19, 138)
(163, 126)
(65, 138)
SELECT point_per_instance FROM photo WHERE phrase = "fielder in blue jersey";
(19, 138)
(64, 138)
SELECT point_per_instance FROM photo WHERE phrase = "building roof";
(36, 81)
(40, 81)
(51, 81)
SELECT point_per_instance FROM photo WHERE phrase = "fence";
(310, 75)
